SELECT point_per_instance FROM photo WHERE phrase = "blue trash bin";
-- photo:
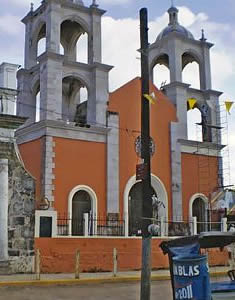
(191, 277)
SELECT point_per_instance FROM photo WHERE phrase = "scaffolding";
(213, 157)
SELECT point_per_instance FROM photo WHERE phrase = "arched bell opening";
(190, 70)
(41, 46)
(74, 40)
(41, 40)
(37, 113)
(82, 52)
(160, 71)
(35, 106)
(194, 130)
(199, 121)
(75, 98)
(61, 50)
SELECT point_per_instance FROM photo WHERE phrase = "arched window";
(131, 195)
(81, 204)
(81, 200)
(199, 211)
(135, 204)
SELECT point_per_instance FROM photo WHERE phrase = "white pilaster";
(3, 209)
(113, 164)
(94, 47)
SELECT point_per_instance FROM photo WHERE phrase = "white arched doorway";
(198, 207)
(159, 190)
(82, 199)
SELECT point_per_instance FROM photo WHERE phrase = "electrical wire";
(67, 115)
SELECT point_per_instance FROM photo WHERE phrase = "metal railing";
(103, 226)
(90, 226)
(191, 227)
(107, 227)
(179, 228)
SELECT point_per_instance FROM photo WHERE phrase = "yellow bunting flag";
(151, 98)
(228, 105)
(192, 102)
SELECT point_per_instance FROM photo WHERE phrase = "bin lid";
(216, 239)
(168, 247)
(189, 257)
(212, 239)
(186, 250)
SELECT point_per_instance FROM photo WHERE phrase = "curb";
(48, 282)
(118, 279)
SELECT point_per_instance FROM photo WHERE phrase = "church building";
(82, 143)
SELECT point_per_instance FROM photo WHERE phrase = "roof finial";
(31, 6)
(203, 39)
(94, 3)
(172, 3)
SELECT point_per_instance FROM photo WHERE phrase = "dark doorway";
(135, 209)
(199, 211)
(81, 204)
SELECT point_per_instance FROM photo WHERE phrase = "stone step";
(4, 267)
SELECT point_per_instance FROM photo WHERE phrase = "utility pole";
(147, 210)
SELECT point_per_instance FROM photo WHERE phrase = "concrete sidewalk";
(86, 278)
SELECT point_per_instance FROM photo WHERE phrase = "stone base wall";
(21, 264)
(21, 211)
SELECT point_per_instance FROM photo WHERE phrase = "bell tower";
(175, 47)
(56, 73)
(50, 85)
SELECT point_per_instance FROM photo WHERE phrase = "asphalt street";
(115, 291)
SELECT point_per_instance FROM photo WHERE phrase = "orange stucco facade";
(79, 163)
(194, 178)
(32, 155)
(126, 101)
(96, 254)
